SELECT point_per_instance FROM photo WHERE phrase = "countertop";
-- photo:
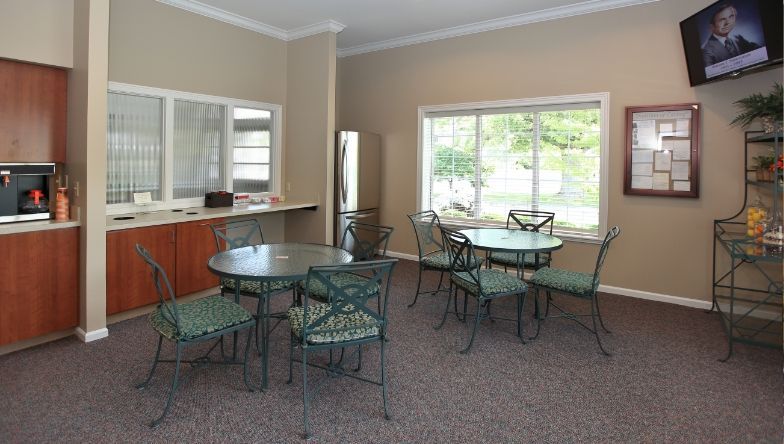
(38, 225)
(162, 217)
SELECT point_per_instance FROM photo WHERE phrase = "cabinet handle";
(173, 236)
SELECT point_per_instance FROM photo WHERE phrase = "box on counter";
(217, 199)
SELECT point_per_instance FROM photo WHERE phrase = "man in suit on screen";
(723, 44)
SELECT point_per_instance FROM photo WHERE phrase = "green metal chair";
(485, 285)
(432, 255)
(244, 233)
(580, 285)
(346, 319)
(527, 220)
(365, 242)
(193, 322)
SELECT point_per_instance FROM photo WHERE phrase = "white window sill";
(563, 234)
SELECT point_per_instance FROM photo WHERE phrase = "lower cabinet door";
(128, 278)
(195, 246)
(40, 276)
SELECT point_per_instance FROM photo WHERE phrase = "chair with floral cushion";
(244, 233)
(347, 318)
(432, 256)
(580, 285)
(485, 285)
(365, 242)
(527, 220)
(189, 323)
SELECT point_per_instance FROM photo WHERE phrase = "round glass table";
(509, 240)
(270, 263)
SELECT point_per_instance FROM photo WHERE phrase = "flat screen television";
(729, 38)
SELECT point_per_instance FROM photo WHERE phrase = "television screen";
(730, 37)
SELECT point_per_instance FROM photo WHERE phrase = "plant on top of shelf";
(767, 108)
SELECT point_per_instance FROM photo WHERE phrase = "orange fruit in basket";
(759, 228)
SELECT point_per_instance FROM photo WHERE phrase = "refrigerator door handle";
(360, 216)
(344, 179)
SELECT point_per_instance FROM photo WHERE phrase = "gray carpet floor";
(663, 383)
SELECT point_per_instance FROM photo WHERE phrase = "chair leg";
(419, 283)
(446, 310)
(520, 326)
(175, 383)
(537, 314)
(480, 305)
(594, 315)
(359, 358)
(291, 357)
(245, 363)
(596, 297)
(305, 391)
(384, 378)
(142, 385)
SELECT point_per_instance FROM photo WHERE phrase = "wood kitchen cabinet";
(128, 281)
(40, 276)
(32, 112)
(195, 246)
(182, 250)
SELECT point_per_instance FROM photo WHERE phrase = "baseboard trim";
(91, 335)
(639, 294)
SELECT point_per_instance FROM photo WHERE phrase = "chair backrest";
(462, 257)
(427, 228)
(612, 234)
(531, 220)
(350, 296)
(365, 241)
(236, 234)
(162, 287)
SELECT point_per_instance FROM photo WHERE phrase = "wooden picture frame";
(662, 150)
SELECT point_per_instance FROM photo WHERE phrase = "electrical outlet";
(288, 186)
(76, 189)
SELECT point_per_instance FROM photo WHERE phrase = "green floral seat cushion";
(352, 325)
(318, 290)
(529, 260)
(255, 286)
(564, 280)
(493, 282)
(440, 260)
(199, 318)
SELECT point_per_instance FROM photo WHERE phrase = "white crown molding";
(490, 25)
(316, 28)
(227, 17)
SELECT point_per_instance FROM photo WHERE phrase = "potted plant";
(764, 167)
(767, 108)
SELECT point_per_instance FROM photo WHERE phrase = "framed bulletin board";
(662, 150)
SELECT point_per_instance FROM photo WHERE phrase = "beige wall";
(37, 32)
(635, 54)
(153, 44)
(310, 135)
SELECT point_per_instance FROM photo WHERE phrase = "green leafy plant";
(765, 162)
(768, 107)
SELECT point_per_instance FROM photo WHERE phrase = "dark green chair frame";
(528, 220)
(344, 300)
(171, 312)
(461, 254)
(245, 233)
(427, 228)
(592, 295)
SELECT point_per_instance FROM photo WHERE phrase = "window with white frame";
(479, 160)
(178, 146)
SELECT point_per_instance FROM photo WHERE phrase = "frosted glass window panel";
(251, 178)
(251, 172)
(199, 133)
(134, 151)
(251, 155)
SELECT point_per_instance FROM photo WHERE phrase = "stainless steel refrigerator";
(357, 180)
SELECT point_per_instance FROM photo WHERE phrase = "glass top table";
(512, 240)
(269, 263)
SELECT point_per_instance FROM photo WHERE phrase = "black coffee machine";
(25, 191)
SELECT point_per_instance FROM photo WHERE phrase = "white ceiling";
(371, 25)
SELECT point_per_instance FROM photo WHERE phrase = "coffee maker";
(25, 191)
